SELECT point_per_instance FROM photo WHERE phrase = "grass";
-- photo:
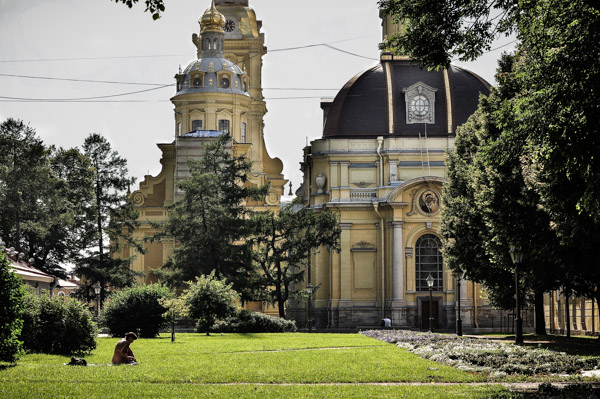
(245, 365)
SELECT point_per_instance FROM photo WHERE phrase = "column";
(345, 263)
(398, 263)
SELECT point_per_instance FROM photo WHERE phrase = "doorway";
(425, 313)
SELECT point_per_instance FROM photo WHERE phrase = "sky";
(69, 41)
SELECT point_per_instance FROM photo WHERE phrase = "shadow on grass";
(577, 345)
(6, 366)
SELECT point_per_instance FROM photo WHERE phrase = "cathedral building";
(380, 166)
(219, 91)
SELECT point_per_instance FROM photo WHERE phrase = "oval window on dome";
(197, 82)
(224, 83)
(419, 106)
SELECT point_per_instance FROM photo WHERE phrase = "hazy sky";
(104, 41)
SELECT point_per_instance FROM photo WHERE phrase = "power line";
(80, 80)
(169, 55)
(80, 99)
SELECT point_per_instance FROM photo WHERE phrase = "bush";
(254, 322)
(138, 308)
(11, 310)
(209, 299)
(57, 325)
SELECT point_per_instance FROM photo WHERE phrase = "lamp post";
(517, 256)
(309, 288)
(430, 280)
(97, 289)
(459, 276)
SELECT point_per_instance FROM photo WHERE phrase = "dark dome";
(370, 105)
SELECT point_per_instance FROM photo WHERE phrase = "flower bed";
(481, 355)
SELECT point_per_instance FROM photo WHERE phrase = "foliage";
(111, 218)
(210, 222)
(57, 325)
(11, 310)
(137, 308)
(208, 300)
(43, 192)
(175, 309)
(560, 76)
(488, 207)
(436, 31)
(550, 112)
(254, 322)
(155, 7)
(282, 244)
(482, 355)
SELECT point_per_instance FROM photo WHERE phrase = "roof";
(29, 273)
(203, 133)
(377, 102)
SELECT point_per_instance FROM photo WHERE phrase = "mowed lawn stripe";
(235, 359)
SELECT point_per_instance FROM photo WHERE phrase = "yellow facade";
(218, 91)
(380, 166)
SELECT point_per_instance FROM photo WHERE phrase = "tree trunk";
(567, 314)
(540, 317)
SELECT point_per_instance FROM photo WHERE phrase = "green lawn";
(244, 365)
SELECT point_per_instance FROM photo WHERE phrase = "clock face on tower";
(229, 26)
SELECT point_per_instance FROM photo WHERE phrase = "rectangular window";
(196, 125)
(243, 132)
(224, 126)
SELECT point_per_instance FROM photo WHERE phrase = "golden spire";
(212, 20)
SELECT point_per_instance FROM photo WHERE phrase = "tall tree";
(507, 211)
(554, 108)
(281, 245)
(111, 221)
(43, 192)
(209, 223)
(23, 170)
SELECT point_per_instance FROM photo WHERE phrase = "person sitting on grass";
(123, 353)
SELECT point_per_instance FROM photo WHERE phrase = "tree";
(554, 108)
(282, 244)
(486, 175)
(11, 311)
(560, 76)
(43, 192)
(176, 309)
(111, 220)
(23, 171)
(137, 308)
(209, 299)
(209, 223)
(57, 325)
(436, 31)
(155, 7)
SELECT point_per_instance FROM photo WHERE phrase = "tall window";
(224, 126)
(243, 132)
(428, 260)
(196, 125)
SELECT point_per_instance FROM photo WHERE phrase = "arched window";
(216, 44)
(428, 260)
(243, 139)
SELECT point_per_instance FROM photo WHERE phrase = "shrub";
(136, 308)
(11, 310)
(209, 299)
(57, 325)
(254, 322)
